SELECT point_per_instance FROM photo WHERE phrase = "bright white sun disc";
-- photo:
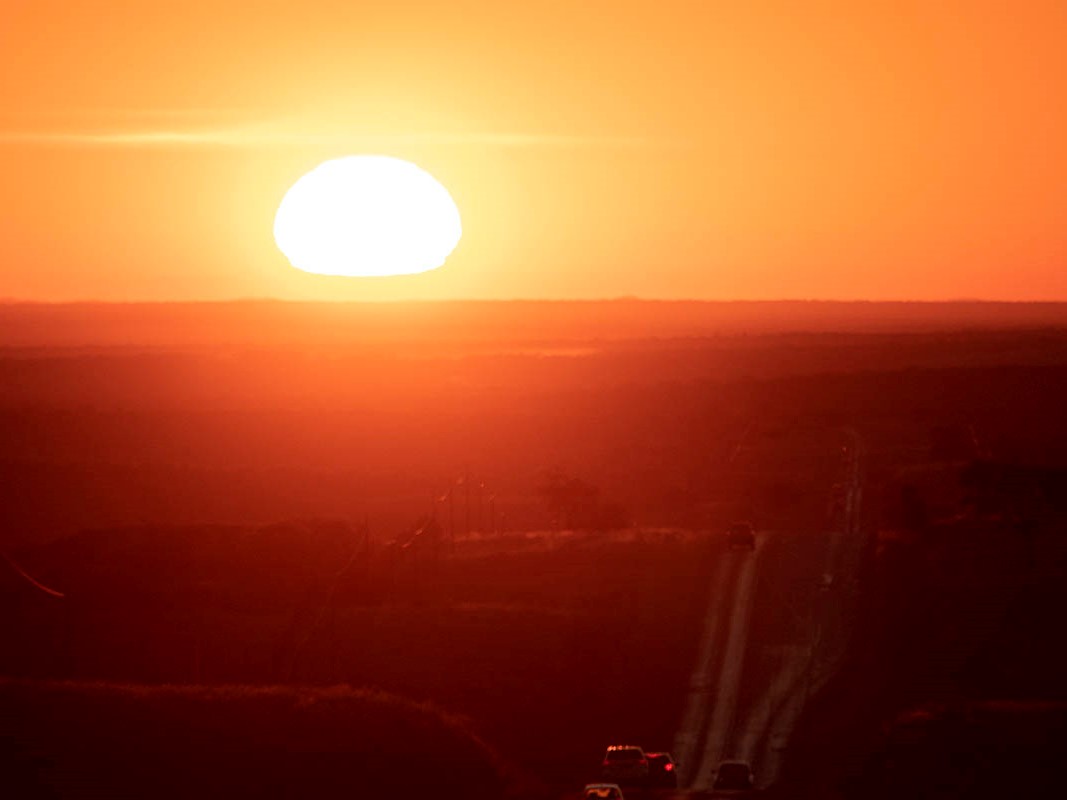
(367, 216)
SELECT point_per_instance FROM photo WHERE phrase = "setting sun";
(367, 216)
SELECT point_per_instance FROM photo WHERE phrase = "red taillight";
(643, 762)
(606, 763)
(668, 767)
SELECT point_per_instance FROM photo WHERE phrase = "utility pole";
(467, 504)
(481, 488)
(452, 515)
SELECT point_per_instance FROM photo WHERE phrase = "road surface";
(775, 629)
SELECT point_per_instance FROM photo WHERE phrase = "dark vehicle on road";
(625, 764)
(741, 536)
(734, 776)
(662, 771)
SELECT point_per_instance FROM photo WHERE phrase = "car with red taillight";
(625, 764)
(662, 771)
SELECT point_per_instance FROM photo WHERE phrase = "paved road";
(726, 716)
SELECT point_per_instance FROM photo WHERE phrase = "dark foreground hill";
(118, 741)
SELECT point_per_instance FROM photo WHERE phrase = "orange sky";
(910, 150)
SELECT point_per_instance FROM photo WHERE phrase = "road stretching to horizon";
(721, 720)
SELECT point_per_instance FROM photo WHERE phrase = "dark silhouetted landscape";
(273, 550)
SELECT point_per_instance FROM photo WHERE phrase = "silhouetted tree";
(577, 504)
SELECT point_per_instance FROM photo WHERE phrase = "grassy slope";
(552, 647)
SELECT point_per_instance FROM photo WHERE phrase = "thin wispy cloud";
(120, 114)
(282, 135)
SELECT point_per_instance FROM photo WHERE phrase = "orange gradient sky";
(839, 150)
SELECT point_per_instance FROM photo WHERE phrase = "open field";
(207, 435)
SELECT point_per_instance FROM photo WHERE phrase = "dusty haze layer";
(434, 325)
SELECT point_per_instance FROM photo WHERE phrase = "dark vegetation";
(107, 740)
(954, 686)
